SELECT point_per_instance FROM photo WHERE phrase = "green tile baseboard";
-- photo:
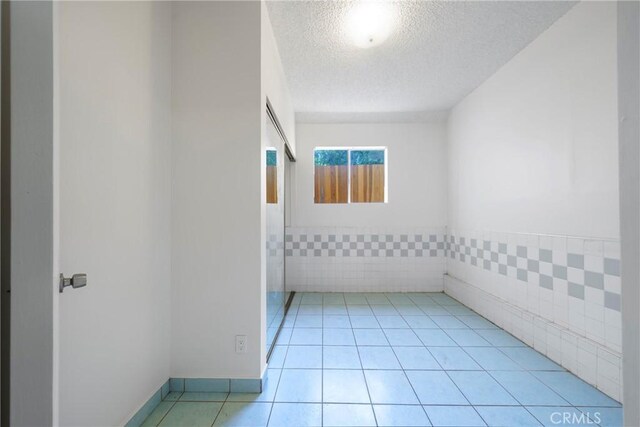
(203, 385)
(149, 406)
(216, 385)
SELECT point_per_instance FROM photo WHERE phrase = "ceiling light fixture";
(369, 23)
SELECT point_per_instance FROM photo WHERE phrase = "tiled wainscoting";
(559, 294)
(329, 259)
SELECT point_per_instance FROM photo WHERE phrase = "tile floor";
(396, 359)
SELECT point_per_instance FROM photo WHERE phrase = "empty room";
(320, 213)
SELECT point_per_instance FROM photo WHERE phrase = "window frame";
(348, 149)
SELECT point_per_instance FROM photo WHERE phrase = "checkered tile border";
(274, 245)
(543, 267)
(365, 245)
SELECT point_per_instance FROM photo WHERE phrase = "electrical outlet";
(241, 343)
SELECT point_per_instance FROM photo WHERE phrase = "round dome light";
(369, 23)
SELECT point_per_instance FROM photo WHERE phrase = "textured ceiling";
(437, 53)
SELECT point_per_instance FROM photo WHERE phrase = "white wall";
(217, 216)
(629, 112)
(31, 172)
(113, 104)
(534, 148)
(393, 246)
(417, 175)
(533, 182)
(274, 81)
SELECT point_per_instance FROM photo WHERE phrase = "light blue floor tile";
(277, 356)
(481, 389)
(574, 390)
(444, 299)
(341, 357)
(454, 416)
(359, 310)
(453, 358)
(421, 299)
(370, 337)
(296, 414)
(489, 365)
(268, 391)
(448, 322)
(402, 337)
(399, 299)
(355, 298)
(310, 310)
(550, 416)
(334, 336)
(304, 356)
(467, 338)
(300, 385)
(203, 397)
(435, 338)
(388, 322)
(342, 386)
(416, 358)
(158, 414)
(527, 389)
(391, 387)
(492, 359)
(244, 414)
(500, 338)
(458, 310)
(605, 417)
(364, 322)
(435, 388)
(289, 321)
(409, 310)
(507, 416)
(378, 358)
(434, 310)
(421, 322)
(333, 321)
(340, 415)
(476, 322)
(173, 395)
(332, 298)
(284, 336)
(530, 359)
(191, 414)
(377, 299)
(311, 298)
(306, 336)
(384, 310)
(335, 309)
(400, 415)
(308, 322)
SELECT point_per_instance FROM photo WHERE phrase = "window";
(272, 176)
(350, 175)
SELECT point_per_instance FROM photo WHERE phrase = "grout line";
(167, 413)
(366, 383)
(221, 407)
